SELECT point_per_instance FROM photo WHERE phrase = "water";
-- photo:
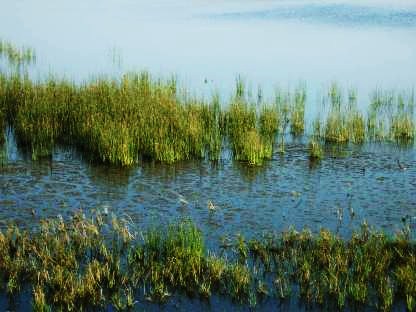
(360, 44)
(350, 186)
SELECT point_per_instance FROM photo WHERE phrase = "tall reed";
(344, 122)
(391, 116)
(121, 121)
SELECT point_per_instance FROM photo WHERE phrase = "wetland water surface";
(362, 44)
(341, 192)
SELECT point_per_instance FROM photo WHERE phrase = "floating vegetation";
(101, 261)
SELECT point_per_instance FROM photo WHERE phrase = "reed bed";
(137, 117)
(344, 123)
(101, 261)
(115, 122)
(122, 121)
(390, 118)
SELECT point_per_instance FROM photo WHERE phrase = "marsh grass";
(2, 127)
(391, 117)
(16, 58)
(315, 150)
(297, 114)
(344, 123)
(117, 122)
(122, 121)
(101, 261)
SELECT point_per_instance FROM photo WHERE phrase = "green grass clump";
(297, 114)
(250, 133)
(344, 123)
(115, 122)
(315, 150)
(391, 117)
(246, 142)
(402, 126)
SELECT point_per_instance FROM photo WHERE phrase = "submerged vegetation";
(102, 261)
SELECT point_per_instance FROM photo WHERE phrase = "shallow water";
(351, 185)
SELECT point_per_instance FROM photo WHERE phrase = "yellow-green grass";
(297, 114)
(391, 117)
(101, 261)
(114, 121)
(121, 121)
(344, 122)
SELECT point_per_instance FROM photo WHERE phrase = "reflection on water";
(345, 189)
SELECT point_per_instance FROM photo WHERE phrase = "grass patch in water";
(391, 117)
(344, 122)
(137, 117)
(297, 114)
(120, 121)
(100, 261)
(116, 122)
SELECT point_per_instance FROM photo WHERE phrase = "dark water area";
(373, 183)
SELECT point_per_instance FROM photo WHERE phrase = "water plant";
(315, 149)
(16, 57)
(2, 126)
(251, 135)
(120, 121)
(344, 123)
(391, 116)
(101, 261)
(297, 114)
